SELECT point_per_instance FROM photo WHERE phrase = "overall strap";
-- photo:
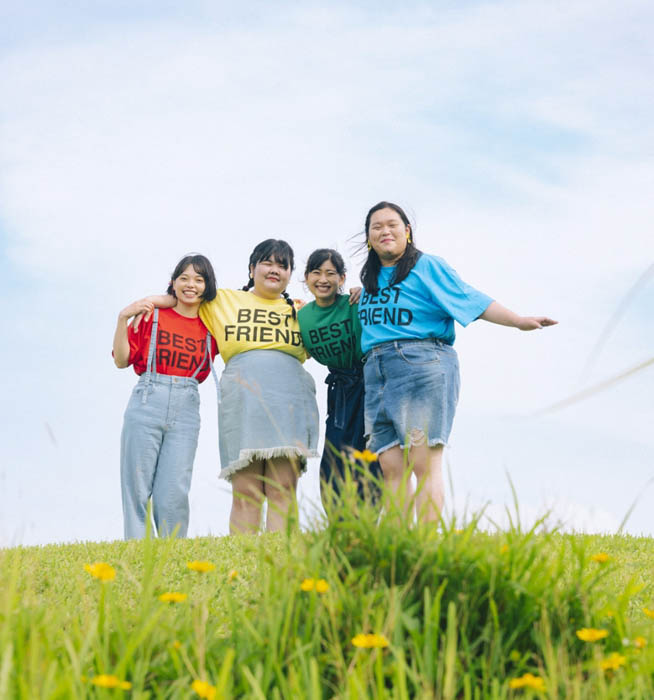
(207, 355)
(151, 366)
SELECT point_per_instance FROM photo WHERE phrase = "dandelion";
(101, 570)
(173, 597)
(319, 585)
(106, 681)
(613, 662)
(370, 641)
(504, 549)
(177, 644)
(200, 566)
(640, 642)
(589, 634)
(528, 681)
(204, 689)
(649, 613)
(365, 456)
(600, 557)
(232, 575)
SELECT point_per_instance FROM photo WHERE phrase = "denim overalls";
(158, 444)
(345, 429)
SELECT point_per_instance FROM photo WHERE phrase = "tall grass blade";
(449, 686)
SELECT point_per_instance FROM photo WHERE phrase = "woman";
(267, 414)
(407, 312)
(331, 333)
(172, 353)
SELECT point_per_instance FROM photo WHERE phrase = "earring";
(369, 246)
(408, 238)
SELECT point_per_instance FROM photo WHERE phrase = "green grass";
(464, 613)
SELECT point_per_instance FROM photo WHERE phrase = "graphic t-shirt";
(424, 305)
(241, 321)
(180, 345)
(332, 334)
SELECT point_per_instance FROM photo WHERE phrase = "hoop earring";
(369, 246)
(408, 238)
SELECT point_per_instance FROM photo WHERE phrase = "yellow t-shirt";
(241, 321)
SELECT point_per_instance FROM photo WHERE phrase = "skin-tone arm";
(355, 294)
(496, 313)
(121, 342)
(157, 301)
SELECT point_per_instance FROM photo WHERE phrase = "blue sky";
(519, 134)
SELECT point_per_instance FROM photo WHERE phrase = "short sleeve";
(448, 291)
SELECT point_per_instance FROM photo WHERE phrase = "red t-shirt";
(180, 345)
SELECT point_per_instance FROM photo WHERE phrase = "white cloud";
(129, 146)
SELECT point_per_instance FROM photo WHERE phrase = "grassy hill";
(359, 609)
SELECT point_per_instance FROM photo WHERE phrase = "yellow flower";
(177, 644)
(105, 681)
(201, 566)
(649, 613)
(588, 634)
(365, 456)
(600, 558)
(504, 549)
(232, 575)
(640, 642)
(370, 641)
(101, 570)
(613, 662)
(204, 689)
(173, 597)
(528, 681)
(319, 585)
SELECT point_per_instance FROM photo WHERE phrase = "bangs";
(274, 251)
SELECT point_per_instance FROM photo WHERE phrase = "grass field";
(359, 609)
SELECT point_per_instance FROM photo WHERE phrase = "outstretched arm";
(121, 342)
(496, 313)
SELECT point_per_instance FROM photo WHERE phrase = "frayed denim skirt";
(412, 388)
(267, 409)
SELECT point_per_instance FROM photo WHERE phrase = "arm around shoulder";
(121, 349)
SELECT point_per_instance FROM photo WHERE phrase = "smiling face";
(324, 283)
(270, 278)
(388, 235)
(189, 287)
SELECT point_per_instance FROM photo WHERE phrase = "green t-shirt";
(332, 334)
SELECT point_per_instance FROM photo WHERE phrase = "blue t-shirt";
(424, 305)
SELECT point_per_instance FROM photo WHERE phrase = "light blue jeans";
(412, 388)
(158, 444)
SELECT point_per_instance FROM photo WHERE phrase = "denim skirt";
(267, 409)
(412, 388)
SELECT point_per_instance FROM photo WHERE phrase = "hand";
(137, 309)
(355, 295)
(532, 323)
(299, 303)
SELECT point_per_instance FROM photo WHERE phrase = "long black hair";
(203, 267)
(370, 269)
(279, 251)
